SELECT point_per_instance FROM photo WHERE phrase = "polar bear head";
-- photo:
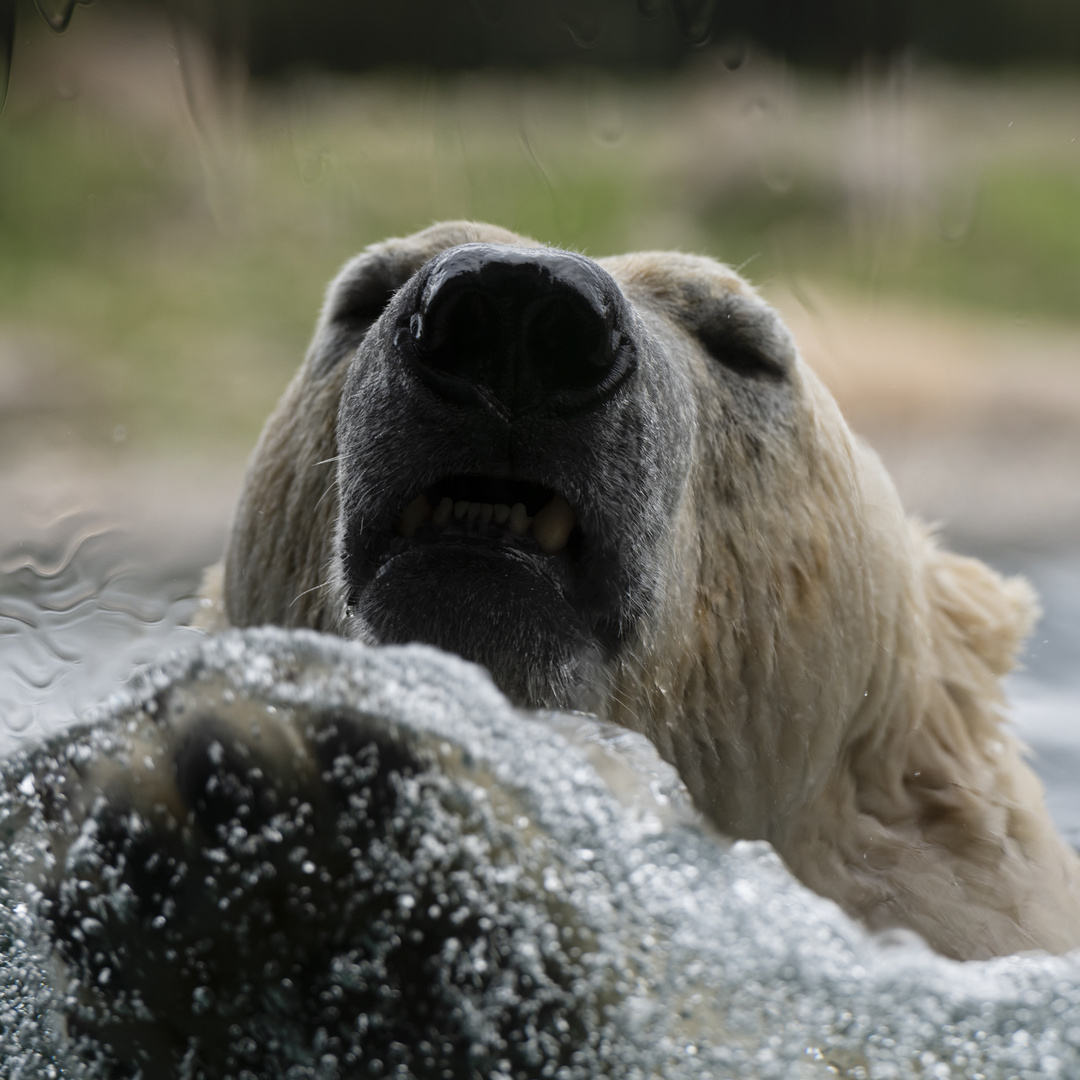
(617, 486)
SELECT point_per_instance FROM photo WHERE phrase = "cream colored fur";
(822, 674)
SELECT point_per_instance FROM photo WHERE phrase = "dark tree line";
(276, 36)
(353, 35)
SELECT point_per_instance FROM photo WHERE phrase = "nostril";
(517, 329)
(459, 334)
(566, 343)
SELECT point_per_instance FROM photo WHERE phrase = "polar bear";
(617, 486)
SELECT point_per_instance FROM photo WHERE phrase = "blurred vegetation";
(166, 237)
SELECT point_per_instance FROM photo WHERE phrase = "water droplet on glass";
(7, 43)
(608, 119)
(779, 176)
(584, 21)
(57, 13)
(310, 164)
(695, 18)
(733, 52)
(957, 211)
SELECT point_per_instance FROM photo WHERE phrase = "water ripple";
(47, 560)
(78, 612)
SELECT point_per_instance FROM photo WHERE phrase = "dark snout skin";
(527, 374)
(516, 331)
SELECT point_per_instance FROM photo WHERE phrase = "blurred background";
(180, 178)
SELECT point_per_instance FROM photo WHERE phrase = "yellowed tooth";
(461, 508)
(413, 516)
(443, 512)
(519, 519)
(474, 511)
(486, 512)
(502, 513)
(553, 524)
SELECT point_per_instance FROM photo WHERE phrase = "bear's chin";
(502, 608)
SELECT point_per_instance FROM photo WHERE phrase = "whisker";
(330, 487)
(321, 585)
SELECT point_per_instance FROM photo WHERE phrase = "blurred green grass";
(174, 264)
(1017, 251)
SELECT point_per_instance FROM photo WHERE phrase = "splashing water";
(384, 868)
(542, 897)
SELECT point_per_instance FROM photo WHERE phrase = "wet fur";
(822, 674)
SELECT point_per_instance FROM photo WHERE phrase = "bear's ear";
(974, 610)
(360, 293)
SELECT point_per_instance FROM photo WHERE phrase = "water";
(694, 957)
(78, 613)
(1046, 689)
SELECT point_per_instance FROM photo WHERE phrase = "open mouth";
(496, 570)
(491, 509)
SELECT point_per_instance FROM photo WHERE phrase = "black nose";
(518, 329)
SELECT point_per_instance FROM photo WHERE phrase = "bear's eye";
(743, 347)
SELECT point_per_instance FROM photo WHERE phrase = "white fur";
(822, 674)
